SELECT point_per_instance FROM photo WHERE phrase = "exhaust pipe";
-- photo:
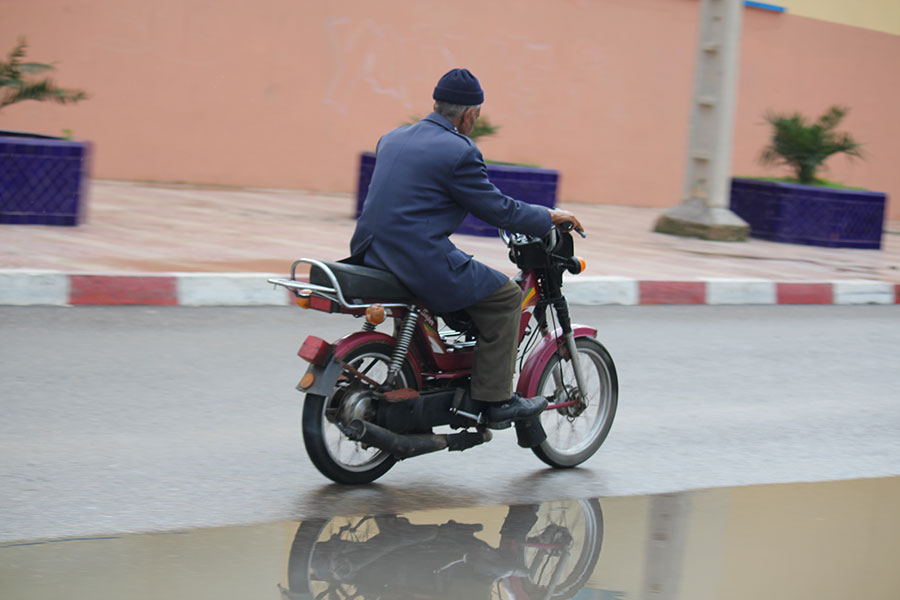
(407, 446)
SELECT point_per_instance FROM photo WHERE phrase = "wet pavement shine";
(799, 541)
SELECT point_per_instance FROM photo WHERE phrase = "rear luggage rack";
(334, 293)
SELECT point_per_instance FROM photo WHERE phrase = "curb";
(30, 288)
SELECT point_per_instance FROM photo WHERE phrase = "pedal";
(498, 425)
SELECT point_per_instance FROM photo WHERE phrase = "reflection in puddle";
(539, 551)
(822, 540)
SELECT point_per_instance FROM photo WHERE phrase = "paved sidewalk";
(155, 229)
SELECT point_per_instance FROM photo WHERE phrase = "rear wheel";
(577, 428)
(335, 455)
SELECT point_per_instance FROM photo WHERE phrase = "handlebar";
(553, 249)
(549, 239)
(568, 226)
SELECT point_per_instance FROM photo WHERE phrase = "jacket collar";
(442, 121)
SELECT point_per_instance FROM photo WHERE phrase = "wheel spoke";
(573, 431)
(348, 454)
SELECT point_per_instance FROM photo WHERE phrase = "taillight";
(315, 350)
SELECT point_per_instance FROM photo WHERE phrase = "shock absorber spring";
(403, 340)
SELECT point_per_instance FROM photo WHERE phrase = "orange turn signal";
(307, 381)
(576, 265)
(375, 314)
(303, 298)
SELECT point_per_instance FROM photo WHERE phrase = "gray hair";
(451, 111)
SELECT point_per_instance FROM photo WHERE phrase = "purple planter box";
(528, 184)
(811, 215)
(41, 180)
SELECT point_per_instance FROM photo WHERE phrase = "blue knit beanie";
(459, 86)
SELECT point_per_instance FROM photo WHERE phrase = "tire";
(334, 455)
(309, 575)
(585, 522)
(573, 438)
(301, 551)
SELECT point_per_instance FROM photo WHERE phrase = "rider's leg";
(498, 319)
(493, 366)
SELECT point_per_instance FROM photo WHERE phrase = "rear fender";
(327, 376)
(540, 356)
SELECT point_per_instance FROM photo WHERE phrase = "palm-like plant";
(804, 147)
(483, 128)
(17, 83)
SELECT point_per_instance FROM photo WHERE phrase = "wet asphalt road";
(119, 419)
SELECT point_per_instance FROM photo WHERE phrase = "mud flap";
(324, 380)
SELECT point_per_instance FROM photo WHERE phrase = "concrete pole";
(704, 209)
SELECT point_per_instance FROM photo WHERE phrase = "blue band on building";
(765, 6)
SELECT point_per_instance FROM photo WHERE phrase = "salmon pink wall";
(801, 64)
(286, 93)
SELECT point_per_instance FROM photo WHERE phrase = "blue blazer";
(427, 178)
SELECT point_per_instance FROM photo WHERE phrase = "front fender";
(327, 376)
(537, 360)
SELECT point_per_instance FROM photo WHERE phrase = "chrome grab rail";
(335, 294)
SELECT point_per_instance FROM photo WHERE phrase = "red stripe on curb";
(672, 292)
(114, 289)
(805, 293)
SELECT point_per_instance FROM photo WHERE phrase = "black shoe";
(500, 415)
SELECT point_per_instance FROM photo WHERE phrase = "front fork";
(565, 322)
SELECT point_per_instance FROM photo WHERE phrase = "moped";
(373, 398)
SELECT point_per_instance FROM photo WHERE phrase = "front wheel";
(337, 457)
(580, 423)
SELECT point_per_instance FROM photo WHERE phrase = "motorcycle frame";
(430, 355)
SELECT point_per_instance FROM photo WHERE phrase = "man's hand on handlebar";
(565, 220)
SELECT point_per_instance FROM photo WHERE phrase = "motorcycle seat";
(357, 281)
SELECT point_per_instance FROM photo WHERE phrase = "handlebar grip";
(568, 226)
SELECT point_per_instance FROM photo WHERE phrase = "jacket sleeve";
(472, 189)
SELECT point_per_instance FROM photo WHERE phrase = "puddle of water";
(818, 541)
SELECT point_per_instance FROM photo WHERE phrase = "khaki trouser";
(498, 318)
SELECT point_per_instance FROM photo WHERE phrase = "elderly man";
(428, 177)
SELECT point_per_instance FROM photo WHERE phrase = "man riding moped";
(428, 176)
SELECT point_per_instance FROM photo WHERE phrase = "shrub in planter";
(807, 210)
(41, 177)
(528, 184)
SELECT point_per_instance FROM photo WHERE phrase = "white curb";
(228, 289)
(740, 291)
(25, 288)
(592, 291)
(863, 292)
